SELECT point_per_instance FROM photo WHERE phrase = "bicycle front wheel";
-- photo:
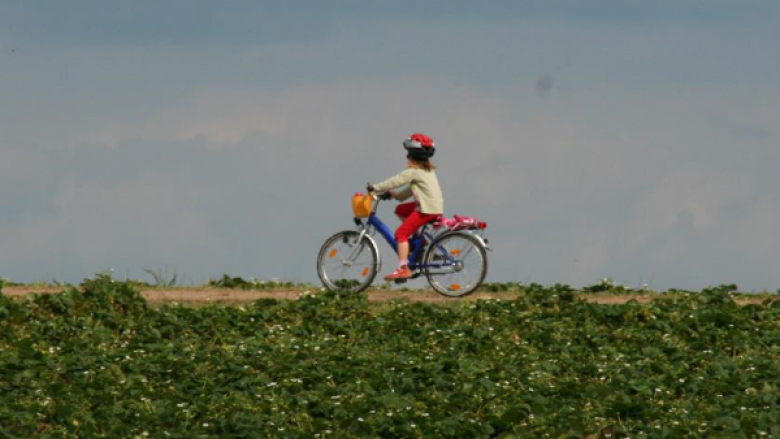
(344, 264)
(457, 264)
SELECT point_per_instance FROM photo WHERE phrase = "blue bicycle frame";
(415, 249)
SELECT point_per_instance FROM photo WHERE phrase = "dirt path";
(228, 296)
(201, 296)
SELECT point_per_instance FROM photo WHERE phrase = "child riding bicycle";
(428, 204)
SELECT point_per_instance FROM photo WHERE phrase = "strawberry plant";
(99, 362)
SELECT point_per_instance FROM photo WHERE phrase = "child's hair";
(425, 165)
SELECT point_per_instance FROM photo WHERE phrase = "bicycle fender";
(464, 232)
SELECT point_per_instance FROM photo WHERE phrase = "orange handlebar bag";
(361, 205)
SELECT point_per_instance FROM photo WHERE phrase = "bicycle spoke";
(471, 248)
(468, 268)
(343, 270)
(347, 264)
(352, 256)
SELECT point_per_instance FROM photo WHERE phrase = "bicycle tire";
(431, 273)
(344, 284)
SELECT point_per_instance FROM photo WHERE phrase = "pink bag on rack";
(459, 223)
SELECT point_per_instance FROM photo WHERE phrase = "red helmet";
(420, 146)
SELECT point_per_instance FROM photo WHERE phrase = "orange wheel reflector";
(333, 252)
(365, 272)
(455, 252)
(454, 287)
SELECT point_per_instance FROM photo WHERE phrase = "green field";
(101, 362)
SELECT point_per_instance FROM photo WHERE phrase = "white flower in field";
(205, 424)
(273, 384)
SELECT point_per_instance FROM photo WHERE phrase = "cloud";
(689, 198)
(196, 22)
(151, 220)
(656, 143)
(567, 200)
(516, 173)
(760, 233)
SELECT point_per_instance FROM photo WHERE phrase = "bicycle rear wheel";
(344, 264)
(463, 261)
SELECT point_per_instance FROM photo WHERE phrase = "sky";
(612, 138)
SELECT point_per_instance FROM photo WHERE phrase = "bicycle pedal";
(400, 281)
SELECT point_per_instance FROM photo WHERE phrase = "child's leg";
(412, 223)
(403, 253)
(404, 210)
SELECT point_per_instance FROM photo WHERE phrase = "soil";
(201, 296)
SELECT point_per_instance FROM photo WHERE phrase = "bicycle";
(451, 254)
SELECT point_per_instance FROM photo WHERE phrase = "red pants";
(414, 220)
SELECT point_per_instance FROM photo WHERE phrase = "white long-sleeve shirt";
(423, 185)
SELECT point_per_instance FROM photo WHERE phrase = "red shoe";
(402, 273)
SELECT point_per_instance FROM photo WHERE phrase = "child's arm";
(404, 194)
(395, 181)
